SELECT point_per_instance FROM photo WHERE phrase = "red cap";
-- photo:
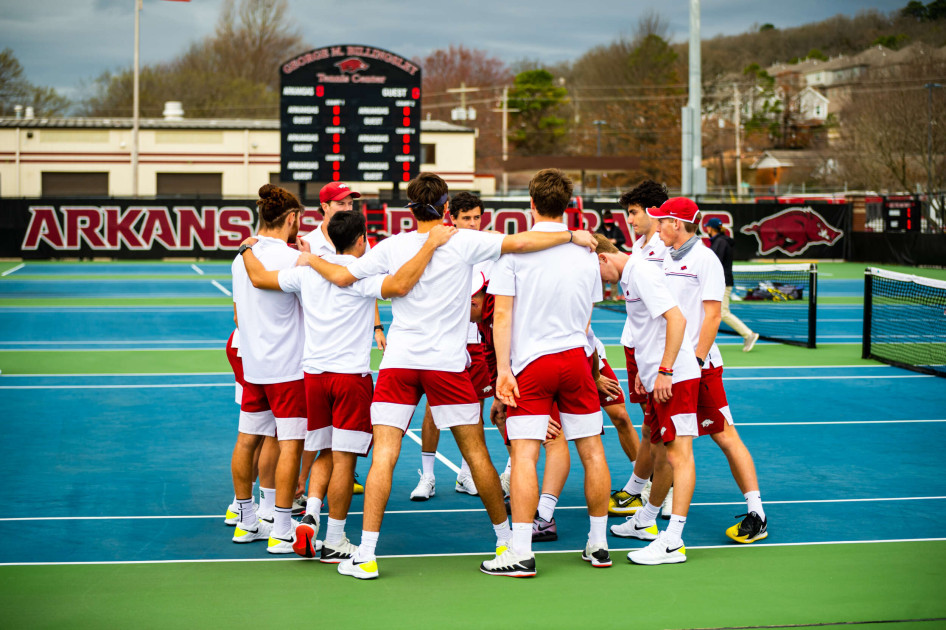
(479, 282)
(336, 191)
(676, 208)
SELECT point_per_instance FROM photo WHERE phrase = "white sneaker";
(338, 552)
(362, 570)
(425, 488)
(645, 493)
(232, 517)
(749, 343)
(666, 509)
(465, 484)
(659, 552)
(243, 534)
(282, 544)
(511, 564)
(597, 555)
(505, 480)
(632, 527)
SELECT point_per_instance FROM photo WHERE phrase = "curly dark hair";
(647, 194)
(464, 201)
(275, 204)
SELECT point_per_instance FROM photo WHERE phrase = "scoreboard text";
(349, 113)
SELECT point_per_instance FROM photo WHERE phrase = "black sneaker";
(510, 564)
(597, 555)
(751, 529)
(543, 530)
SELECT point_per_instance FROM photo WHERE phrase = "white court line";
(221, 287)
(464, 510)
(133, 386)
(446, 462)
(12, 269)
(197, 269)
(489, 552)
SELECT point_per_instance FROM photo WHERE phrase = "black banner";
(135, 228)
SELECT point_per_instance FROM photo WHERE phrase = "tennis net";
(779, 302)
(905, 320)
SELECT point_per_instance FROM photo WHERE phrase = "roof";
(438, 126)
(780, 158)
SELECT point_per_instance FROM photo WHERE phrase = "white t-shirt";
(339, 322)
(235, 344)
(318, 244)
(271, 335)
(647, 298)
(554, 292)
(429, 328)
(595, 344)
(696, 277)
(654, 251)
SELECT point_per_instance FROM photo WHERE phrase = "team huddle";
(475, 315)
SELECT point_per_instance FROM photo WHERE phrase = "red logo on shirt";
(683, 267)
(651, 253)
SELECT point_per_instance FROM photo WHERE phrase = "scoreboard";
(349, 113)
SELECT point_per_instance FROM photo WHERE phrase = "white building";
(41, 157)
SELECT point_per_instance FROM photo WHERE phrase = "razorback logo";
(352, 65)
(792, 231)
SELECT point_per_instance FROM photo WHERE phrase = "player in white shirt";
(425, 354)
(668, 372)
(648, 245)
(466, 212)
(333, 197)
(336, 362)
(695, 276)
(542, 311)
(273, 402)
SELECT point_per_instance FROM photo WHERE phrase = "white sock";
(675, 530)
(597, 535)
(267, 500)
(247, 513)
(508, 468)
(464, 467)
(635, 485)
(427, 463)
(647, 515)
(547, 503)
(522, 538)
(313, 505)
(335, 531)
(369, 541)
(233, 504)
(503, 533)
(282, 522)
(754, 503)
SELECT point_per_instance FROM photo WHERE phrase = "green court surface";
(763, 586)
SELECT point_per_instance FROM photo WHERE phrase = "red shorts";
(632, 396)
(675, 417)
(603, 399)
(483, 385)
(274, 408)
(450, 395)
(236, 364)
(712, 408)
(563, 378)
(339, 407)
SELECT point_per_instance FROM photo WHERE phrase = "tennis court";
(119, 422)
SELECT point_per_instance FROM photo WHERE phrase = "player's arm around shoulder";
(401, 283)
(259, 276)
(533, 241)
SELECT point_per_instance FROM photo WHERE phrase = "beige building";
(91, 157)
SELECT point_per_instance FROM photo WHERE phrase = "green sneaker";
(623, 503)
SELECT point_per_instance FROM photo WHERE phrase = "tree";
(539, 129)
(452, 67)
(16, 90)
(915, 10)
(233, 73)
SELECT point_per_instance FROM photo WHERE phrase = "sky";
(63, 43)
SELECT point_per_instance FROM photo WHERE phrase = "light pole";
(598, 124)
(929, 141)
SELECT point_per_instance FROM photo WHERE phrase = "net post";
(868, 306)
(812, 305)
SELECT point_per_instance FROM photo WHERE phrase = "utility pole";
(598, 124)
(693, 175)
(134, 114)
(505, 112)
(929, 142)
(737, 104)
(463, 113)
